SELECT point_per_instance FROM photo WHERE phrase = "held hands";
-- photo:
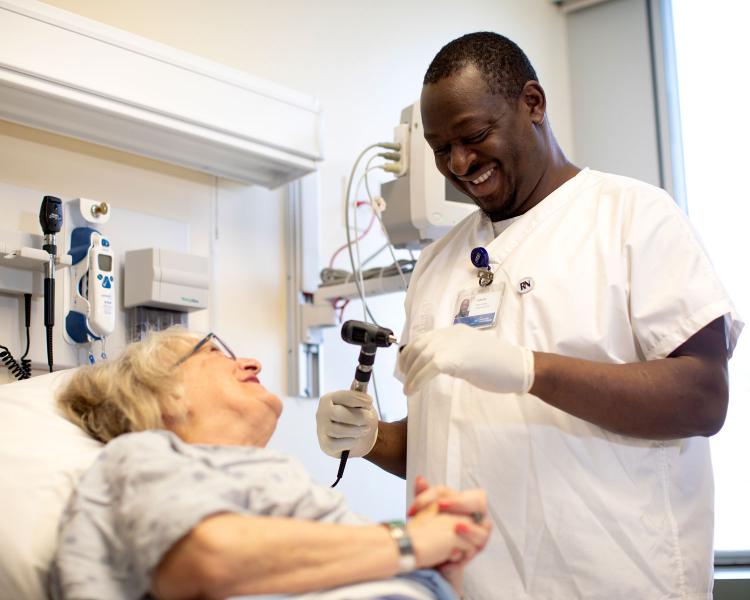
(346, 420)
(477, 356)
(448, 528)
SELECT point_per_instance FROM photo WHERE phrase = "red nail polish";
(462, 528)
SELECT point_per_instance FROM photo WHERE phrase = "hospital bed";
(42, 456)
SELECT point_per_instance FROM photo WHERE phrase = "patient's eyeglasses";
(219, 344)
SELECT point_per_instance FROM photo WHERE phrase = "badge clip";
(480, 258)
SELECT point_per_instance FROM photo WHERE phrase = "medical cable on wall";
(358, 275)
(331, 276)
(412, 210)
(21, 368)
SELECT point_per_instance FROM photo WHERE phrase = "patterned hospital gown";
(149, 489)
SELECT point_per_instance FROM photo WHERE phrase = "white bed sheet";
(42, 455)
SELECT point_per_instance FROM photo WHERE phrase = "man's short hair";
(503, 65)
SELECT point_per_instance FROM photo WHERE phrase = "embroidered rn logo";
(525, 285)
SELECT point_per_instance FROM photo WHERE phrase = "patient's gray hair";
(132, 392)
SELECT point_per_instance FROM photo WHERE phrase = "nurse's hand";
(477, 356)
(346, 421)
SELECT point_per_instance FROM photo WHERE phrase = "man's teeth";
(483, 177)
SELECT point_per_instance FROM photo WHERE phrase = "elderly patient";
(185, 501)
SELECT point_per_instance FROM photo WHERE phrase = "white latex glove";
(475, 355)
(346, 421)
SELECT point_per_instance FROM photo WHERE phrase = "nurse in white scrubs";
(582, 386)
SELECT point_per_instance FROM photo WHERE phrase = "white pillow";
(42, 455)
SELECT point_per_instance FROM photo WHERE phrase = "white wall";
(612, 86)
(365, 62)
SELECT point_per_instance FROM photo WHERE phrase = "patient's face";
(226, 403)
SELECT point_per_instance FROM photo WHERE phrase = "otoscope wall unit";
(126, 227)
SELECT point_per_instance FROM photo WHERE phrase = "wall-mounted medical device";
(166, 279)
(92, 290)
(22, 265)
(420, 204)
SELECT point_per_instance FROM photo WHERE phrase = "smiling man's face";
(485, 145)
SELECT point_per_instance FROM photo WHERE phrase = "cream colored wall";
(364, 61)
(30, 157)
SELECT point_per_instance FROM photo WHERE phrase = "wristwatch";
(407, 561)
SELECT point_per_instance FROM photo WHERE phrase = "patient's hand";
(471, 503)
(467, 510)
(475, 529)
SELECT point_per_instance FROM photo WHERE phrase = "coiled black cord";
(50, 360)
(26, 362)
(23, 370)
(26, 366)
(49, 315)
(12, 365)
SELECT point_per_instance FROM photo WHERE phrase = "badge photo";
(477, 308)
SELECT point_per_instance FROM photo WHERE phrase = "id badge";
(478, 307)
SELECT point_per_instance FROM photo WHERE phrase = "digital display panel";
(105, 262)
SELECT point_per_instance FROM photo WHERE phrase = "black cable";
(49, 315)
(342, 466)
(7, 359)
(51, 220)
(49, 347)
(26, 362)
(23, 370)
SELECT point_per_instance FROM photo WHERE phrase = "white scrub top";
(617, 276)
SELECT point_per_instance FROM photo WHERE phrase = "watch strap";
(407, 561)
